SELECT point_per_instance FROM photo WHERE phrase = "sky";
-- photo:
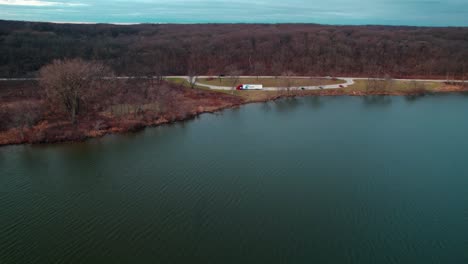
(338, 12)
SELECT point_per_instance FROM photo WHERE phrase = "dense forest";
(250, 49)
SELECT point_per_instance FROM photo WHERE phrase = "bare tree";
(27, 117)
(287, 80)
(193, 66)
(463, 84)
(276, 68)
(4, 118)
(418, 87)
(158, 71)
(379, 84)
(193, 72)
(70, 84)
(387, 83)
(166, 99)
(259, 69)
(234, 77)
(371, 84)
(305, 49)
(192, 79)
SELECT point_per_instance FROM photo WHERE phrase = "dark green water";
(312, 180)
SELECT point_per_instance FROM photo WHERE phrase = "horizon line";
(220, 23)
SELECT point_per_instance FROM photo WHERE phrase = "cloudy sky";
(392, 12)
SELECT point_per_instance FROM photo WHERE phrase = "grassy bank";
(247, 96)
(361, 87)
(270, 82)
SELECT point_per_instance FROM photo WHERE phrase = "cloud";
(37, 3)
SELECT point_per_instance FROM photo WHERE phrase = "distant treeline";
(250, 49)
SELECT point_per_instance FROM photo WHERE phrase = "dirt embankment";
(49, 131)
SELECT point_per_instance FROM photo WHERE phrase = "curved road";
(348, 81)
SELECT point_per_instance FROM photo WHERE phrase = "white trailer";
(252, 87)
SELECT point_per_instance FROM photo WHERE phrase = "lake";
(308, 180)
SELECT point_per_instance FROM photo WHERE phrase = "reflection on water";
(463, 93)
(300, 180)
(414, 97)
(287, 105)
(266, 106)
(377, 100)
(315, 102)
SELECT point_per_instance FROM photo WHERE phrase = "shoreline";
(133, 125)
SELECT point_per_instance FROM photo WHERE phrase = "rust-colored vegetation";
(66, 107)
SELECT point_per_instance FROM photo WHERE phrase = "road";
(348, 81)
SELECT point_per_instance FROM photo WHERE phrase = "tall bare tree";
(463, 76)
(287, 80)
(70, 84)
(418, 87)
(4, 118)
(160, 68)
(193, 66)
(385, 83)
(276, 68)
(259, 69)
(234, 77)
(192, 79)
